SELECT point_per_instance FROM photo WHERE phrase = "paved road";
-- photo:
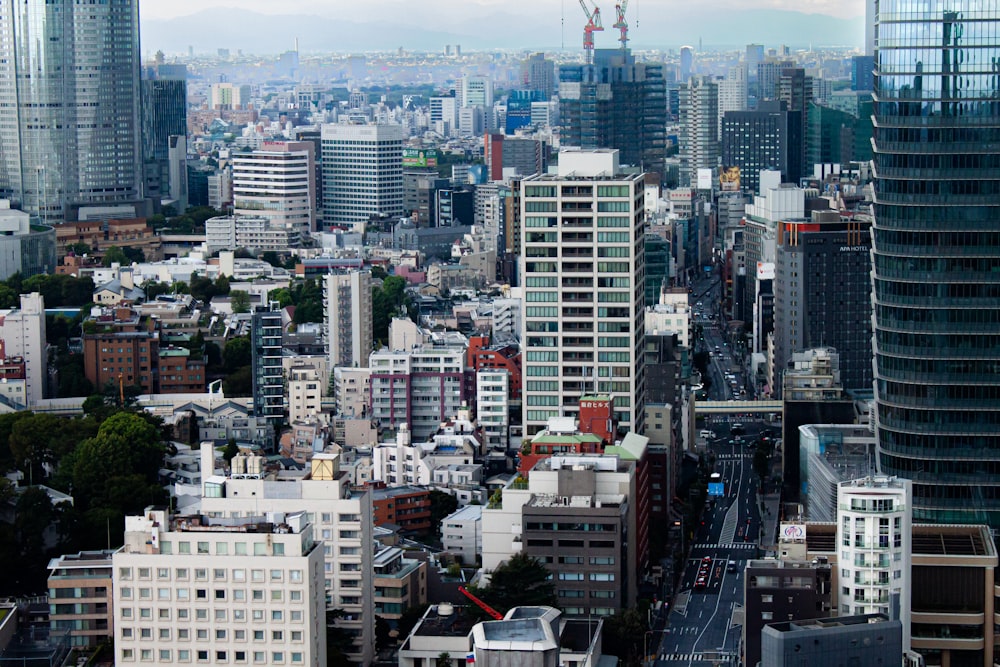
(704, 626)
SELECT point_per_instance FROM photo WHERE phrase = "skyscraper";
(699, 140)
(69, 84)
(582, 272)
(277, 183)
(268, 375)
(768, 138)
(347, 298)
(935, 252)
(164, 117)
(615, 103)
(362, 173)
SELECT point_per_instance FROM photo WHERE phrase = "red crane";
(621, 23)
(593, 25)
(497, 616)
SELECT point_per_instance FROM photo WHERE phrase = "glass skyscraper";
(69, 87)
(936, 253)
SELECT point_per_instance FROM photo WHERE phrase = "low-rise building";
(400, 583)
(408, 507)
(80, 597)
(462, 533)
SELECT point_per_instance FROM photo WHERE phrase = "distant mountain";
(234, 29)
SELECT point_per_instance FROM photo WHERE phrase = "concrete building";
(874, 532)
(242, 589)
(250, 232)
(406, 507)
(351, 391)
(493, 407)
(362, 174)
(24, 248)
(462, 533)
(419, 387)
(341, 524)
(699, 117)
(400, 583)
(268, 374)
(229, 96)
(22, 331)
(869, 639)
(569, 228)
(733, 92)
(347, 301)
(306, 388)
(769, 137)
(277, 182)
(828, 455)
(80, 597)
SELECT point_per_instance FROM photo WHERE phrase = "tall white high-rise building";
(477, 91)
(347, 300)
(277, 182)
(874, 536)
(699, 116)
(69, 85)
(362, 173)
(23, 334)
(733, 92)
(246, 589)
(582, 272)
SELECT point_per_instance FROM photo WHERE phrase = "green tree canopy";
(521, 581)
(240, 301)
(236, 353)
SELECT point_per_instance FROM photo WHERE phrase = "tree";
(240, 301)
(522, 581)
(442, 504)
(624, 634)
(443, 660)
(231, 450)
(236, 353)
(115, 255)
(155, 289)
(239, 382)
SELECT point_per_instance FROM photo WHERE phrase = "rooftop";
(446, 620)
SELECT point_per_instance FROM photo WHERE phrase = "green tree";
(231, 450)
(443, 660)
(522, 581)
(283, 296)
(155, 289)
(442, 504)
(240, 301)
(236, 354)
(624, 634)
(78, 248)
(239, 382)
(41, 439)
(115, 255)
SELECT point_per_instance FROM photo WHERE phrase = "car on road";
(700, 583)
(731, 566)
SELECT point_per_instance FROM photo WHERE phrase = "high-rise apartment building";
(362, 174)
(874, 535)
(699, 116)
(615, 103)
(583, 276)
(538, 73)
(936, 290)
(265, 357)
(733, 92)
(70, 89)
(277, 182)
(347, 298)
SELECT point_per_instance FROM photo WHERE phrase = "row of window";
(220, 615)
(218, 594)
(201, 573)
(184, 655)
(204, 634)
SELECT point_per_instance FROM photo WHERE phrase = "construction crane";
(621, 23)
(593, 25)
(497, 616)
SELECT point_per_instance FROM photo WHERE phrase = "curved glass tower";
(69, 89)
(936, 254)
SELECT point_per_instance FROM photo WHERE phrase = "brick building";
(409, 507)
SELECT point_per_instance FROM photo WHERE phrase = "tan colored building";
(953, 594)
(400, 583)
(80, 597)
(100, 235)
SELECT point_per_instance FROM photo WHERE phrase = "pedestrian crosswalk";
(685, 657)
(725, 545)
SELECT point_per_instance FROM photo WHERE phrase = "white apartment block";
(493, 406)
(305, 395)
(230, 96)
(340, 519)
(444, 115)
(232, 232)
(582, 272)
(733, 92)
(347, 300)
(671, 316)
(874, 537)
(22, 331)
(277, 182)
(404, 463)
(507, 316)
(420, 387)
(477, 91)
(245, 590)
(362, 173)
(351, 391)
(462, 532)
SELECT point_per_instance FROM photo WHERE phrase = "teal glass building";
(936, 254)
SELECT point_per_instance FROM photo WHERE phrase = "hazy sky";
(416, 10)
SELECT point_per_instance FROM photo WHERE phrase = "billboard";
(765, 270)
(717, 489)
(729, 179)
(792, 532)
(418, 157)
(704, 179)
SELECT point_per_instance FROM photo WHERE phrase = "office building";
(268, 374)
(26, 249)
(822, 293)
(229, 96)
(733, 92)
(615, 103)
(699, 117)
(769, 138)
(252, 232)
(839, 136)
(362, 174)
(277, 182)
(538, 73)
(582, 272)
(164, 116)
(935, 288)
(863, 72)
(71, 85)
(687, 63)
(347, 301)
(476, 91)
(493, 407)
(830, 454)
(243, 590)
(868, 639)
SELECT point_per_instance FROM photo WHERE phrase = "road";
(705, 624)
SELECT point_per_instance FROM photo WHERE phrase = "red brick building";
(480, 355)
(409, 507)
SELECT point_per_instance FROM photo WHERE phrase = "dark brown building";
(408, 507)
